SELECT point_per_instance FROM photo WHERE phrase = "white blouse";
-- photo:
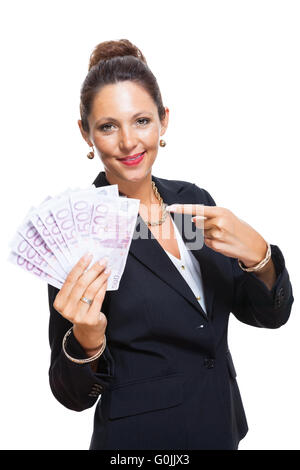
(189, 268)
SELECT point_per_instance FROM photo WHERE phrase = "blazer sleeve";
(253, 303)
(76, 386)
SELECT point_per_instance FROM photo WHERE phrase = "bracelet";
(260, 265)
(82, 361)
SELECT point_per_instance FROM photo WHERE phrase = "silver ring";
(86, 300)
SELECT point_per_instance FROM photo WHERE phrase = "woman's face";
(124, 121)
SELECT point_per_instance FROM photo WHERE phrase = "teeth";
(130, 159)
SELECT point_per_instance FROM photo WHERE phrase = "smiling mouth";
(134, 157)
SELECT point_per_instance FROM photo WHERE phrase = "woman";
(156, 350)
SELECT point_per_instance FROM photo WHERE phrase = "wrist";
(92, 351)
(90, 343)
(91, 358)
(256, 258)
(261, 265)
(265, 269)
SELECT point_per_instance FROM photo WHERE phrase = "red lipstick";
(133, 160)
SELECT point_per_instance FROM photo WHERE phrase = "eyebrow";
(109, 118)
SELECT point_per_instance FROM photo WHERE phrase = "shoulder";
(205, 195)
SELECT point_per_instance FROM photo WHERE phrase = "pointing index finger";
(193, 209)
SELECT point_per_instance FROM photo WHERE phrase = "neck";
(141, 190)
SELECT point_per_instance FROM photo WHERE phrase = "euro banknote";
(62, 228)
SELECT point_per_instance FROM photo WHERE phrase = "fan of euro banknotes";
(54, 235)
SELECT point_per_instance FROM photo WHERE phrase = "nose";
(128, 140)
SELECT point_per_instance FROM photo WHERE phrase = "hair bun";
(109, 49)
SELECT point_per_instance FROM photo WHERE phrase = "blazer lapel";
(149, 251)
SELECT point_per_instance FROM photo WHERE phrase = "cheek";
(105, 145)
(151, 136)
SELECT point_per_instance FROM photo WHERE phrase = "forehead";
(123, 98)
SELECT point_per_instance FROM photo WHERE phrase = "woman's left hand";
(225, 233)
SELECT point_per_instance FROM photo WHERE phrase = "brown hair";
(112, 62)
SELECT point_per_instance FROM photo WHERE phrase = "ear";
(84, 134)
(165, 122)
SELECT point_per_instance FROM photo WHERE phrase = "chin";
(137, 177)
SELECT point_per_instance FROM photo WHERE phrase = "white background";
(229, 73)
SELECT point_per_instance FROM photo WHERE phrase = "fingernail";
(103, 261)
(107, 270)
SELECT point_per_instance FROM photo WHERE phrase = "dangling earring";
(162, 143)
(91, 154)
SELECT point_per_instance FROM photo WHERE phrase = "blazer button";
(209, 362)
(281, 292)
(98, 386)
(95, 391)
(277, 302)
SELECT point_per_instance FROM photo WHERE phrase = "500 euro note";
(21, 247)
(34, 238)
(54, 235)
(18, 260)
(70, 226)
(112, 227)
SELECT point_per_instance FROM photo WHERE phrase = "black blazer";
(166, 379)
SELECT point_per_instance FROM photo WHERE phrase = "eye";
(144, 119)
(104, 126)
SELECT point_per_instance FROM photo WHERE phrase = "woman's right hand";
(89, 323)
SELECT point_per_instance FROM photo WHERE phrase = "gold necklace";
(162, 204)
